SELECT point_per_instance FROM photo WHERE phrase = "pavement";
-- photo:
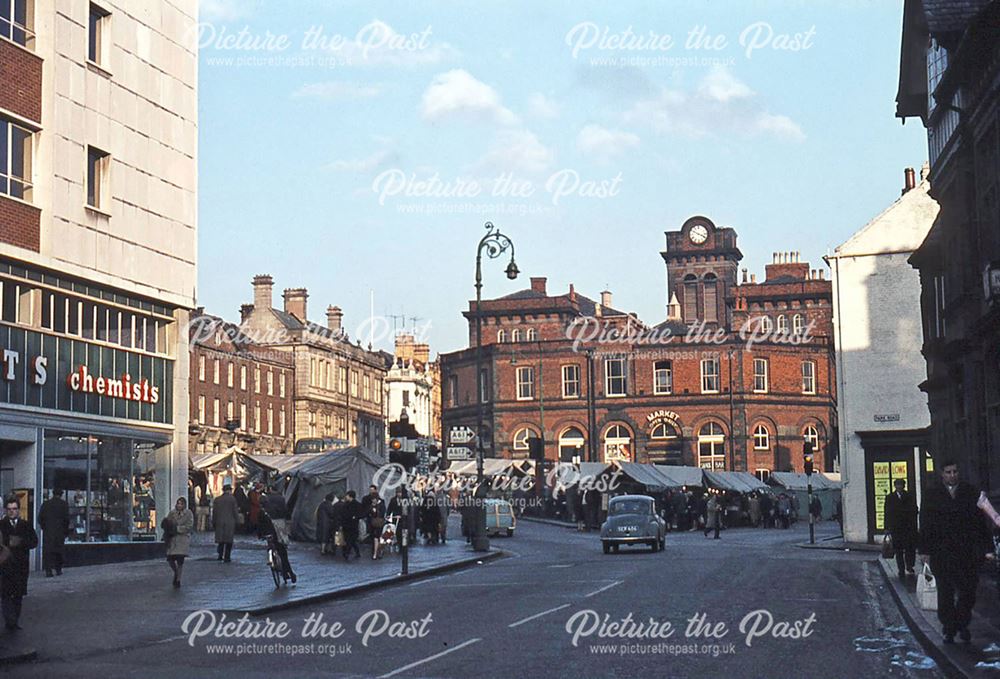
(749, 605)
(115, 594)
(981, 657)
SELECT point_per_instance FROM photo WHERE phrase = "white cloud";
(516, 151)
(600, 141)
(457, 93)
(541, 106)
(338, 89)
(720, 104)
(222, 10)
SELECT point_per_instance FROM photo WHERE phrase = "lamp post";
(494, 244)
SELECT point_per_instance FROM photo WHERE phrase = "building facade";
(883, 414)
(338, 387)
(412, 385)
(98, 198)
(950, 79)
(241, 392)
(736, 377)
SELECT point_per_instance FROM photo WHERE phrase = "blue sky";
(315, 164)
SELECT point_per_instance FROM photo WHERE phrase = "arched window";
(782, 324)
(571, 443)
(501, 336)
(797, 324)
(690, 298)
(711, 447)
(761, 438)
(617, 444)
(515, 336)
(765, 324)
(663, 431)
(811, 435)
(532, 334)
(710, 298)
(521, 437)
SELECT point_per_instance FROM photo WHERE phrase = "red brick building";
(241, 392)
(736, 377)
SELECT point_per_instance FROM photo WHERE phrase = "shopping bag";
(888, 549)
(338, 539)
(927, 590)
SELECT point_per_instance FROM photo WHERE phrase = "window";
(663, 377)
(366, 386)
(711, 447)
(808, 377)
(571, 444)
(760, 375)
(270, 383)
(710, 376)
(256, 417)
(617, 444)
(201, 368)
(515, 336)
(484, 385)
(532, 335)
(312, 423)
(521, 437)
(215, 412)
(614, 376)
(98, 38)
(229, 374)
(378, 390)
(343, 380)
(256, 380)
(15, 155)
(765, 324)
(501, 336)
(710, 288)
(453, 390)
(811, 435)
(937, 64)
(761, 438)
(98, 169)
(243, 377)
(662, 430)
(215, 371)
(16, 21)
(782, 324)
(797, 324)
(690, 298)
(243, 416)
(354, 384)
(201, 410)
(281, 385)
(281, 422)
(571, 381)
(230, 411)
(313, 372)
(763, 474)
(525, 383)
(270, 420)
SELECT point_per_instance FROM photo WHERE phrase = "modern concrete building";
(98, 216)
(882, 412)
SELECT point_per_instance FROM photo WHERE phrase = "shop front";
(86, 407)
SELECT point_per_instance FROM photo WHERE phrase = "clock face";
(698, 234)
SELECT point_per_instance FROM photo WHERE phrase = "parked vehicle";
(633, 520)
(499, 517)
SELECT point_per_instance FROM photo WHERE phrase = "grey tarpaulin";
(337, 471)
(827, 490)
(742, 482)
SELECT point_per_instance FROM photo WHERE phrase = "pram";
(387, 537)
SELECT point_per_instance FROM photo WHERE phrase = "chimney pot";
(334, 318)
(262, 287)
(753, 279)
(295, 302)
(909, 179)
(606, 298)
(538, 284)
(245, 311)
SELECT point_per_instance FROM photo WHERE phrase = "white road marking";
(606, 587)
(429, 658)
(538, 615)
(561, 565)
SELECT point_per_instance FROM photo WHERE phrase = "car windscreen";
(629, 507)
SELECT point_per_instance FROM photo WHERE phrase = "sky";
(357, 148)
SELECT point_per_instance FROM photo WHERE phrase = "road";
(520, 616)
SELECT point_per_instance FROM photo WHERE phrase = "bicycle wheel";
(275, 572)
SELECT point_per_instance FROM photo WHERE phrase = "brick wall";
(19, 223)
(20, 81)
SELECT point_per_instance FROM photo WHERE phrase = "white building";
(410, 386)
(882, 413)
(98, 250)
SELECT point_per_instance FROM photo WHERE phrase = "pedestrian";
(373, 509)
(243, 502)
(268, 530)
(225, 512)
(53, 519)
(254, 516)
(178, 526)
(784, 510)
(350, 515)
(277, 510)
(766, 510)
(17, 536)
(713, 518)
(753, 507)
(430, 520)
(324, 522)
(901, 524)
(441, 500)
(955, 539)
(201, 507)
(816, 510)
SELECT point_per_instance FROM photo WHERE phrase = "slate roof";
(951, 16)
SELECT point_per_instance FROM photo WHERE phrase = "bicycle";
(274, 562)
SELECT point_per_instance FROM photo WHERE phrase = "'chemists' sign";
(71, 375)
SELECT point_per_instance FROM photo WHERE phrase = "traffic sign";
(461, 435)
(457, 453)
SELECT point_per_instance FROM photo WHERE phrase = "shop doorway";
(17, 470)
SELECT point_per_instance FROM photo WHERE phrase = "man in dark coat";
(17, 535)
(350, 514)
(225, 517)
(901, 522)
(324, 523)
(53, 519)
(953, 533)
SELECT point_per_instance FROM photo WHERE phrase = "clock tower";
(702, 261)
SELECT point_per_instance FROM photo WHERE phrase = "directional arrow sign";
(462, 434)
(456, 453)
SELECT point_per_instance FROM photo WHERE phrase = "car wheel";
(510, 532)
(606, 547)
(663, 543)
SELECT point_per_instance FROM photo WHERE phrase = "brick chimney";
(422, 352)
(245, 311)
(334, 318)
(909, 179)
(538, 284)
(295, 302)
(262, 286)
(786, 264)
(605, 298)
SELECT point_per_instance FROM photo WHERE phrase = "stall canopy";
(797, 481)
(741, 482)
(335, 471)
(682, 476)
(243, 465)
(646, 475)
(491, 467)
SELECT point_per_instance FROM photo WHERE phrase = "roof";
(797, 481)
(951, 16)
(901, 227)
(743, 482)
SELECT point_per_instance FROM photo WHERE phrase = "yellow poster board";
(884, 475)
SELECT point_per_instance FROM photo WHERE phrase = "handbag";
(338, 538)
(169, 527)
(888, 549)
(927, 590)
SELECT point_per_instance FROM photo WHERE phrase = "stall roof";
(205, 461)
(743, 482)
(284, 463)
(647, 475)
(682, 476)
(796, 481)
(491, 467)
